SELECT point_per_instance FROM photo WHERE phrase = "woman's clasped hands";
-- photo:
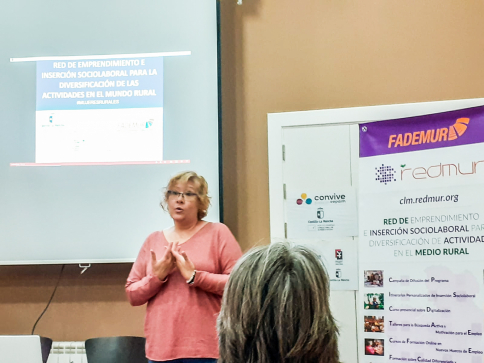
(173, 258)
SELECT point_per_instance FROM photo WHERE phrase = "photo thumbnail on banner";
(99, 110)
(421, 238)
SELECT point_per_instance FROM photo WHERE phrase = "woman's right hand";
(162, 267)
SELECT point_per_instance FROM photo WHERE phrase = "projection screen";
(101, 103)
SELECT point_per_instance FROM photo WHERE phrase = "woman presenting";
(181, 273)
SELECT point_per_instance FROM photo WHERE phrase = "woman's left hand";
(183, 262)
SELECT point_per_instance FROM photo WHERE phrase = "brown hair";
(275, 309)
(202, 190)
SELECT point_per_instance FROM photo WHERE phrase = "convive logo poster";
(421, 235)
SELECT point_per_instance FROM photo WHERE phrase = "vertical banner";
(421, 233)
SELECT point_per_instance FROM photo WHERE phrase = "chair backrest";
(116, 350)
(45, 346)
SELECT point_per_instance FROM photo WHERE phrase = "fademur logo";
(430, 136)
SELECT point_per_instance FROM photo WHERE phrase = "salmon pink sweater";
(180, 318)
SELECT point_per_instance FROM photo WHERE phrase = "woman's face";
(183, 208)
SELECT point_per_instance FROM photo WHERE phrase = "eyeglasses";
(187, 195)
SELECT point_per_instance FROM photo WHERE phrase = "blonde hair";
(275, 309)
(202, 191)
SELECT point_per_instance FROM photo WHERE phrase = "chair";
(116, 350)
(45, 346)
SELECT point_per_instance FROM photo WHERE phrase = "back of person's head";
(275, 309)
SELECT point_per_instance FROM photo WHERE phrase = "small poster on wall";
(326, 220)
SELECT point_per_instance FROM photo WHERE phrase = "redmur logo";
(304, 198)
(385, 174)
(430, 136)
(441, 170)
